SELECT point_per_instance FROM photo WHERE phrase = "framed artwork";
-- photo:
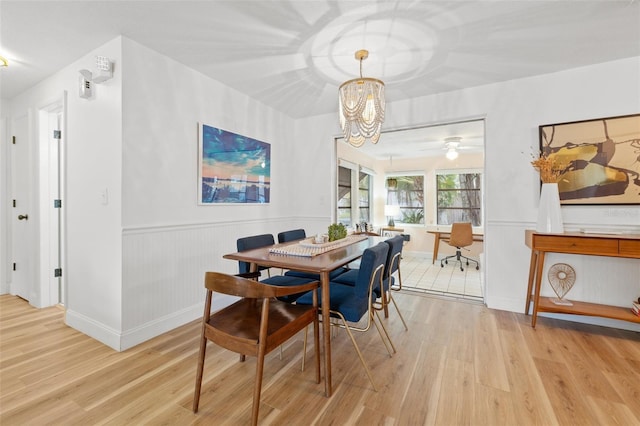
(600, 159)
(232, 169)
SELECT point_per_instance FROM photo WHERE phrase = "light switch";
(104, 197)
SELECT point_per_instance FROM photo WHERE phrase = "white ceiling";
(293, 54)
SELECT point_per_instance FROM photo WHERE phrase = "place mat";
(305, 249)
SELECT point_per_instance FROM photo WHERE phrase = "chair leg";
(391, 350)
(258, 385)
(364, 363)
(199, 372)
(398, 310)
(304, 347)
(316, 337)
(399, 282)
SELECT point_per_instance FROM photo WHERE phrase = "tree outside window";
(408, 194)
(459, 198)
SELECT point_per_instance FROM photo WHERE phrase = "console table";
(624, 245)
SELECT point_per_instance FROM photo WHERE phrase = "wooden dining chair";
(254, 325)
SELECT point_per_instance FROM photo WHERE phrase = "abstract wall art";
(232, 169)
(600, 159)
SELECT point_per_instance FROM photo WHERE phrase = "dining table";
(321, 264)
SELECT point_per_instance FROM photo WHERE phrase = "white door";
(22, 217)
(50, 205)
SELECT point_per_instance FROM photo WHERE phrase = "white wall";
(169, 241)
(135, 265)
(513, 111)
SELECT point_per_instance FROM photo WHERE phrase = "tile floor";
(418, 274)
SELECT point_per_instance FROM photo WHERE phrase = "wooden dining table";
(321, 264)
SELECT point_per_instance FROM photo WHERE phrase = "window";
(344, 196)
(364, 197)
(408, 194)
(354, 194)
(459, 198)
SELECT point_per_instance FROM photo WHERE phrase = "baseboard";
(94, 329)
(130, 338)
(148, 331)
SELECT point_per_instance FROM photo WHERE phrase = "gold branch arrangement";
(550, 169)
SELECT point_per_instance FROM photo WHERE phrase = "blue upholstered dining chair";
(392, 265)
(349, 303)
(299, 234)
(263, 240)
(292, 235)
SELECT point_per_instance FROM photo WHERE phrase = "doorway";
(419, 156)
(36, 205)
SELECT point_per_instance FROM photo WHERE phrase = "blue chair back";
(294, 234)
(250, 243)
(393, 258)
(371, 259)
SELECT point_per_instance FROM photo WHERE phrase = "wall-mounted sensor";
(86, 87)
(104, 68)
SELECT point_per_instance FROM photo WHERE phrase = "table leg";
(436, 246)
(536, 298)
(326, 332)
(532, 270)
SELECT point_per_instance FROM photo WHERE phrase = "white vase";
(549, 213)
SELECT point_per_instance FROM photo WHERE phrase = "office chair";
(461, 237)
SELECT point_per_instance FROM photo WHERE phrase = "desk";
(444, 236)
(321, 264)
(390, 229)
(627, 245)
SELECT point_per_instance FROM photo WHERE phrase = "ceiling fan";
(452, 144)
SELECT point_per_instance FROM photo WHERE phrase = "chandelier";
(361, 103)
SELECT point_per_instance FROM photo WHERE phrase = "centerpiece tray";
(308, 247)
(311, 243)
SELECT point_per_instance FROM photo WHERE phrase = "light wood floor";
(459, 364)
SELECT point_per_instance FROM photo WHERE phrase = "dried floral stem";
(550, 169)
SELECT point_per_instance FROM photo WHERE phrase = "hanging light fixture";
(452, 144)
(361, 103)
